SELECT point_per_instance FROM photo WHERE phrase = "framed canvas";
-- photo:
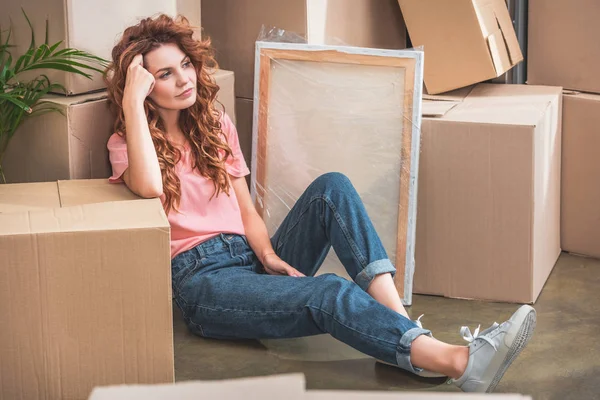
(352, 110)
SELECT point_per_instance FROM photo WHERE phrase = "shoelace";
(465, 332)
(418, 321)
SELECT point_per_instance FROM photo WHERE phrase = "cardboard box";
(489, 194)
(287, 386)
(92, 26)
(465, 41)
(85, 293)
(245, 110)
(234, 26)
(226, 97)
(290, 386)
(562, 44)
(580, 211)
(72, 145)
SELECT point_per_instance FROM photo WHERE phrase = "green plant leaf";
(78, 54)
(32, 44)
(4, 48)
(39, 52)
(55, 46)
(58, 66)
(11, 99)
(22, 61)
(5, 71)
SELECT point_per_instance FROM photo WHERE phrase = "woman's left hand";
(276, 266)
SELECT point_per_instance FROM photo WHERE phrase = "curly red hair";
(200, 122)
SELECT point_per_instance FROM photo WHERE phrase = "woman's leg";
(222, 296)
(330, 213)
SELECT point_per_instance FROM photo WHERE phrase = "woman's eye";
(186, 64)
(166, 74)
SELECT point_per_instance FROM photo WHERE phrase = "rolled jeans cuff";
(366, 276)
(403, 351)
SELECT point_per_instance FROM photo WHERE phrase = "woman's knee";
(333, 284)
(334, 181)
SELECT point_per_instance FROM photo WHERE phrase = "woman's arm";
(257, 234)
(143, 174)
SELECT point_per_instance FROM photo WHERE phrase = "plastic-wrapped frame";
(357, 111)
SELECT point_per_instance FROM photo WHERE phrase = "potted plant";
(23, 99)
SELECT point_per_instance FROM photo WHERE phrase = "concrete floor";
(562, 361)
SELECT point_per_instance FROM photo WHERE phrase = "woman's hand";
(276, 266)
(138, 82)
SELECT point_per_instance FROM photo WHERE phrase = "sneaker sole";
(521, 339)
(423, 374)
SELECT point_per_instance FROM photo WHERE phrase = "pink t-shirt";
(198, 218)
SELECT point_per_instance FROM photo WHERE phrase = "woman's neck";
(171, 121)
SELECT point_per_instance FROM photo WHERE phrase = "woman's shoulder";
(117, 141)
(224, 118)
(227, 125)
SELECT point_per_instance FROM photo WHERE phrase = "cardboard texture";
(79, 24)
(465, 41)
(580, 214)
(569, 25)
(489, 195)
(234, 26)
(85, 289)
(226, 96)
(72, 145)
(244, 109)
(289, 386)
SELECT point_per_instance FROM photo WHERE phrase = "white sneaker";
(424, 373)
(492, 351)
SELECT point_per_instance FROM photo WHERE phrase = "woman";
(229, 278)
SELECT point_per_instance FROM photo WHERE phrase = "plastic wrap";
(352, 110)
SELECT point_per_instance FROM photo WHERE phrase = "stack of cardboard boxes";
(563, 51)
(85, 287)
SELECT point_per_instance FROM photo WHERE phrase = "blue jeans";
(223, 291)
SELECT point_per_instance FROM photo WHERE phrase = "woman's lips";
(186, 94)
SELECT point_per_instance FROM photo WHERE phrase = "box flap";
(498, 52)
(290, 387)
(115, 215)
(582, 95)
(89, 191)
(505, 104)
(28, 196)
(456, 49)
(73, 100)
(508, 32)
(454, 95)
(497, 29)
(434, 109)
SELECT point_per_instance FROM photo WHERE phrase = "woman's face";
(174, 75)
